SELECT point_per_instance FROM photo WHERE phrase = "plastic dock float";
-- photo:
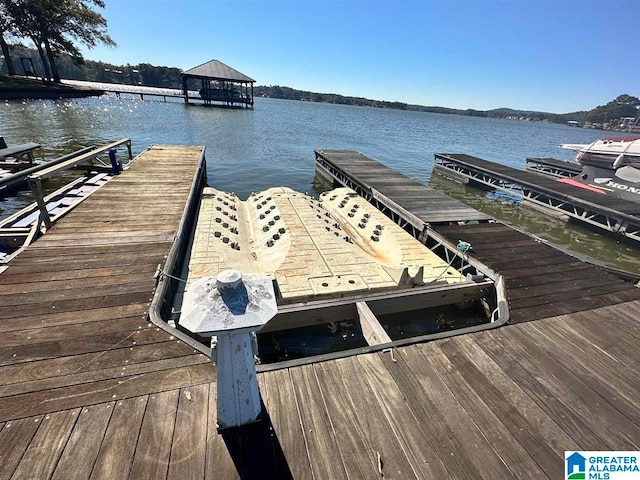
(329, 247)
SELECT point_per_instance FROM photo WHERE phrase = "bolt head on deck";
(228, 303)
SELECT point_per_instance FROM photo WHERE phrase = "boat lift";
(547, 193)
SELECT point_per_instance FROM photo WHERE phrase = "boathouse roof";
(216, 70)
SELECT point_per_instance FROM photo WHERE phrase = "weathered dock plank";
(541, 281)
(504, 403)
(355, 170)
(75, 303)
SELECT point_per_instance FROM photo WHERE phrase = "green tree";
(53, 26)
(5, 28)
(623, 106)
(627, 100)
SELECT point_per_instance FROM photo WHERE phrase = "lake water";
(272, 145)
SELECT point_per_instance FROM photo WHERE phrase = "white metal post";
(233, 307)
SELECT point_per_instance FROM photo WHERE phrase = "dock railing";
(21, 176)
(20, 229)
(35, 179)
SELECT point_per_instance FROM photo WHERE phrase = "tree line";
(55, 28)
(288, 93)
(96, 71)
(623, 106)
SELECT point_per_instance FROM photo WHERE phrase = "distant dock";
(134, 90)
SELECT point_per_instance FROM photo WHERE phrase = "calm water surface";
(272, 145)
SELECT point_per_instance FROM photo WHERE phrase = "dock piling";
(232, 307)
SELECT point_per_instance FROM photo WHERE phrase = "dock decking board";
(74, 304)
(527, 392)
(538, 272)
(405, 191)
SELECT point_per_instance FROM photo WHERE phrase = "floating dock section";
(541, 281)
(608, 213)
(313, 248)
(404, 199)
(334, 259)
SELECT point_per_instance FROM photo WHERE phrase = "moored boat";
(610, 153)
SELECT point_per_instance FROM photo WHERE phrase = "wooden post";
(372, 331)
(185, 93)
(35, 184)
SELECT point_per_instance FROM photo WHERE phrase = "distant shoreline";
(21, 88)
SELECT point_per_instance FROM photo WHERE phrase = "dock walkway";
(122, 88)
(504, 403)
(74, 330)
(405, 196)
(541, 280)
(90, 390)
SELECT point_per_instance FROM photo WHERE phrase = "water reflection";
(610, 250)
(272, 145)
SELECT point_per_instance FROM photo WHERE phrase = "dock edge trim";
(189, 212)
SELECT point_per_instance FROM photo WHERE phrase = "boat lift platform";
(553, 167)
(608, 213)
(20, 152)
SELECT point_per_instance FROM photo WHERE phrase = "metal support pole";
(232, 307)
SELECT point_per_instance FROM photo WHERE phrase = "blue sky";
(546, 55)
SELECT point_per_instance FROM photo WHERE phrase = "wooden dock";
(127, 89)
(541, 281)
(403, 196)
(504, 403)
(89, 389)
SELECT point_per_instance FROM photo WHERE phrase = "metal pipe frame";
(599, 217)
(535, 166)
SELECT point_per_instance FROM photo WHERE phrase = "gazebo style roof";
(216, 70)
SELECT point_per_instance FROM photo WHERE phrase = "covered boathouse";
(219, 84)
